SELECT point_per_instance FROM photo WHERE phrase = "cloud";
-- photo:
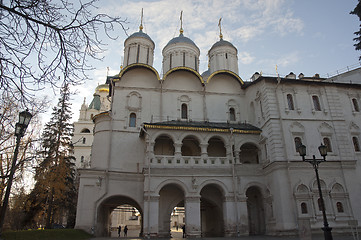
(246, 57)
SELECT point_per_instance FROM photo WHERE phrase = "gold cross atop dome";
(220, 28)
(181, 20)
(141, 21)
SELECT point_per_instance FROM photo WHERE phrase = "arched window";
(316, 103)
(298, 143)
(339, 207)
(84, 140)
(232, 114)
(304, 209)
(132, 120)
(291, 106)
(85, 130)
(184, 113)
(327, 143)
(355, 105)
(82, 159)
(356, 144)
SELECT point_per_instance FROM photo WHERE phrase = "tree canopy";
(357, 11)
(44, 41)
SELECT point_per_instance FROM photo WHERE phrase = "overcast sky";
(308, 36)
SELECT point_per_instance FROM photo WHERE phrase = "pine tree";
(357, 12)
(54, 191)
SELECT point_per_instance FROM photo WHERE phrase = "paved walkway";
(314, 237)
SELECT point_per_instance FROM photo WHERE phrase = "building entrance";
(118, 211)
(255, 208)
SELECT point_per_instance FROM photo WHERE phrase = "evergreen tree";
(357, 11)
(54, 191)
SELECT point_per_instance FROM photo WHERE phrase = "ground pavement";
(177, 235)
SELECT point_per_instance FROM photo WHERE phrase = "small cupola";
(180, 52)
(223, 55)
(138, 48)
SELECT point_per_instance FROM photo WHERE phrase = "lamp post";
(315, 162)
(20, 128)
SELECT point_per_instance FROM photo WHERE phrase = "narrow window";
(226, 56)
(84, 140)
(298, 143)
(82, 159)
(195, 63)
(339, 207)
(184, 113)
(327, 143)
(138, 53)
(132, 120)
(147, 55)
(316, 103)
(232, 115)
(319, 202)
(291, 106)
(184, 59)
(170, 61)
(356, 144)
(355, 105)
(128, 56)
(304, 209)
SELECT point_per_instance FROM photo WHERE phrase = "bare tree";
(44, 40)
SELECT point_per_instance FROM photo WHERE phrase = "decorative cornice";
(227, 72)
(135, 65)
(200, 129)
(186, 69)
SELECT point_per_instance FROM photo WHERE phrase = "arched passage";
(249, 154)
(164, 146)
(255, 208)
(212, 221)
(170, 196)
(119, 210)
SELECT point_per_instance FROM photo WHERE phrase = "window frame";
(316, 103)
(132, 120)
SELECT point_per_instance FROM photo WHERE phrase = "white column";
(151, 212)
(193, 216)
(243, 216)
(230, 219)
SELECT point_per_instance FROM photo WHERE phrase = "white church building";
(222, 148)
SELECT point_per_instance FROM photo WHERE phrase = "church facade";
(224, 149)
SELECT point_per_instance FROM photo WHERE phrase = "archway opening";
(164, 146)
(216, 147)
(190, 147)
(170, 196)
(249, 154)
(119, 211)
(255, 208)
(212, 221)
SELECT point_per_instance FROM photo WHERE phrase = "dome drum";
(138, 48)
(223, 56)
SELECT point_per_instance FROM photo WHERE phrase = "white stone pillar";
(243, 216)
(193, 216)
(177, 150)
(151, 216)
(204, 153)
(230, 218)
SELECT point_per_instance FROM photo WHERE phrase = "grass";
(50, 234)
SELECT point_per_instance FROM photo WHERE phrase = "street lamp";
(20, 128)
(315, 162)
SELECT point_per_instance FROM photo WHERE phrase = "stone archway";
(212, 220)
(119, 205)
(170, 196)
(256, 213)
